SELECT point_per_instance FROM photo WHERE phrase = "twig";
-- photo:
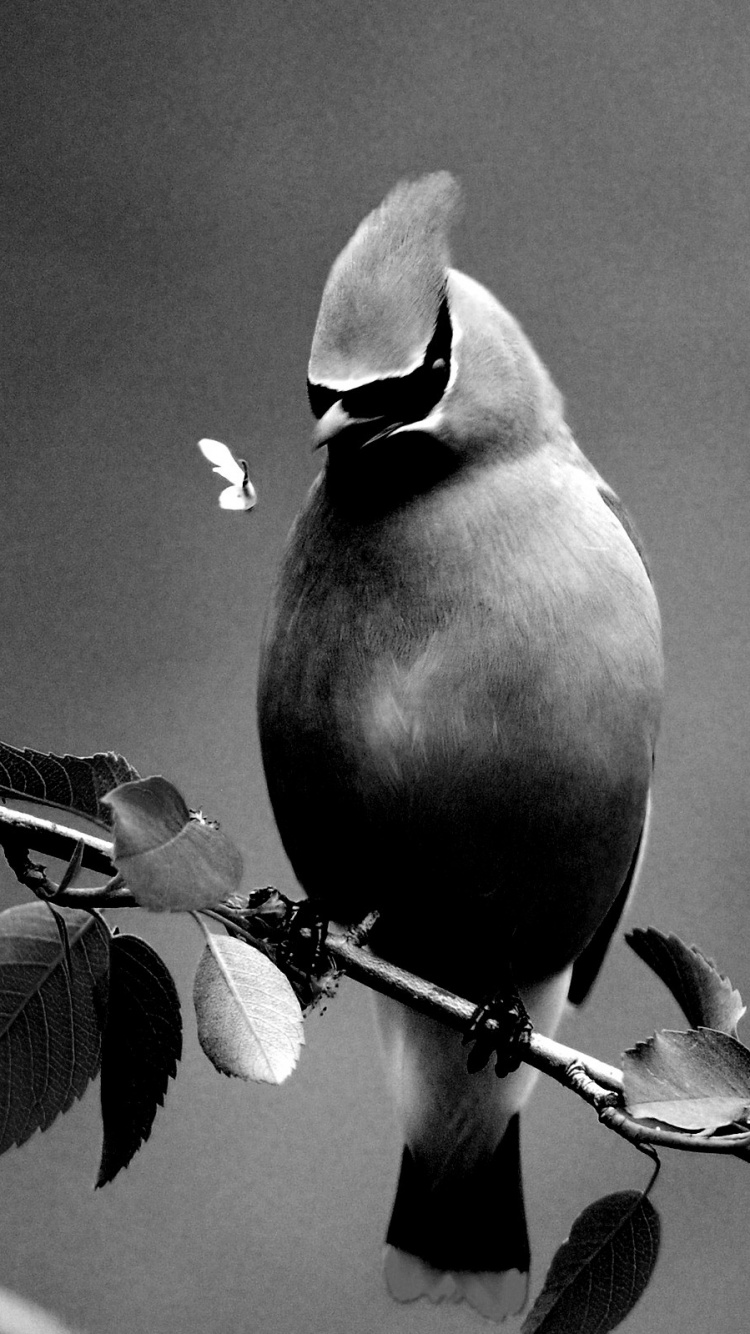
(59, 841)
(598, 1084)
(543, 1053)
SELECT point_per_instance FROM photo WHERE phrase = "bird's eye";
(395, 398)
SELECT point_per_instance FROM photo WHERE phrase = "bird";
(459, 694)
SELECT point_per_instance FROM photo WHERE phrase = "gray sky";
(177, 180)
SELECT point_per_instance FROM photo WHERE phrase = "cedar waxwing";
(459, 697)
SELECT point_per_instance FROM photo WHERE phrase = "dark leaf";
(600, 1272)
(699, 1080)
(50, 1014)
(72, 782)
(142, 1045)
(705, 996)
(171, 860)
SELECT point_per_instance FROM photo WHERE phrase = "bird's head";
(406, 345)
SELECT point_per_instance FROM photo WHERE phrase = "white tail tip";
(494, 1296)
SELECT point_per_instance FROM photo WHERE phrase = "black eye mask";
(397, 399)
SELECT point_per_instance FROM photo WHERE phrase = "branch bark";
(596, 1082)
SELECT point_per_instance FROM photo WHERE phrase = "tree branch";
(56, 840)
(598, 1084)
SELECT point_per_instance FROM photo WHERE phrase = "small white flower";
(241, 494)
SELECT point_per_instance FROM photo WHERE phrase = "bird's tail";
(464, 1238)
(458, 1228)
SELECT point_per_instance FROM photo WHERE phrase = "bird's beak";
(336, 420)
(332, 423)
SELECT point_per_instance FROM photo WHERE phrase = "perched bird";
(459, 698)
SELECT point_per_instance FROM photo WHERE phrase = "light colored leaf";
(170, 860)
(146, 814)
(72, 782)
(52, 1011)
(699, 1080)
(249, 1019)
(600, 1272)
(19, 1316)
(705, 996)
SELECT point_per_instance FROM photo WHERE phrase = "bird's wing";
(587, 965)
(576, 456)
(225, 464)
(613, 502)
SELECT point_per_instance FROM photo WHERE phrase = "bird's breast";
(461, 693)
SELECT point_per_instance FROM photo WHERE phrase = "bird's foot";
(303, 946)
(301, 954)
(505, 1039)
(293, 935)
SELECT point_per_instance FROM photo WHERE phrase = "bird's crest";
(382, 297)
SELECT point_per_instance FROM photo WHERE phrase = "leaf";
(705, 996)
(72, 782)
(249, 1019)
(699, 1080)
(19, 1316)
(171, 861)
(142, 1045)
(51, 1014)
(146, 814)
(600, 1272)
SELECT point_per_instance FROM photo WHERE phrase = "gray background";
(178, 179)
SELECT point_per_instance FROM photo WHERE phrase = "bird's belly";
(458, 796)
(458, 705)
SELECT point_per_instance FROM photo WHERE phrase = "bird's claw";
(505, 1041)
(303, 945)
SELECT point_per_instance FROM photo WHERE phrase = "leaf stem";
(597, 1083)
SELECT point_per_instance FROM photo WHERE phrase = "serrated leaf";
(72, 782)
(699, 1080)
(249, 1019)
(600, 1272)
(705, 996)
(141, 1047)
(51, 1014)
(171, 861)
